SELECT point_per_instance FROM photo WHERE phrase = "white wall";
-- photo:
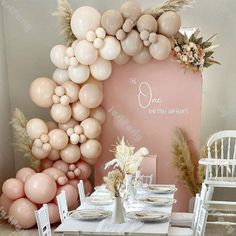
(6, 148)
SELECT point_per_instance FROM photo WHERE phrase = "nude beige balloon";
(132, 45)
(35, 128)
(90, 96)
(70, 154)
(41, 91)
(131, 9)
(57, 56)
(58, 139)
(143, 57)
(91, 80)
(54, 155)
(98, 114)
(111, 21)
(72, 90)
(148, 23)
(91, 149)
(69, 124)
(61, 113)
(162, 49)
(79, 112)
(122, 59)
(169, 23)
(51, 125)
(92, 128)
(39, 153)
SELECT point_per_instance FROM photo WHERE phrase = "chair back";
(202, 221)
(222, 147)
(62, 206)
(42, 219)
(146, 180)
(203, 194)
(81, 191)
(197, 205)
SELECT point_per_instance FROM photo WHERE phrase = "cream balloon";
(79, 74)
(131, 9)
(132, 45)
(79, 112)
(35, 128)
(122, 59)
(72, 90)
(90, 96)
(169, 23)
(111, 48)
(147, 23)
(162, 49)
(39, 153)
(41, 91)
(91, 80)
(58, 139)
(143, 57)
(112, 21)
(86, 53)
(91, 149)
(61, 113)
(57, 55)
(70, 154)
(101, 69)
(83, 20)
(99, 114)
(92, 128)
(60, 76)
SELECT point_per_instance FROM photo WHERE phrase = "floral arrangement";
(193, 52)
(126, 161)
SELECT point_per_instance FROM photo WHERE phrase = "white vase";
(118, 212)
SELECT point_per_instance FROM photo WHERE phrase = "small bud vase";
(118, 212)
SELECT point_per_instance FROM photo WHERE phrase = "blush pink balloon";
(74, 183)
(70, 154)
(5, 203)
(45, 164)
(71, 195)
(85, 169)
(22, 210)
(62, 180)
(87, 187)
(53, 213)
(13, 189)
(24, 173)
(61, 165)
(54, 173)
(40, 188)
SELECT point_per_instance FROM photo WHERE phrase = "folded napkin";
(129, 226)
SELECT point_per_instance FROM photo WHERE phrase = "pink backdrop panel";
(145, 103)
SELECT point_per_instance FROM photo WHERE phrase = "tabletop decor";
(64, 149)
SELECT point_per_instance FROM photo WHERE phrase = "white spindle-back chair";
(81, 190)
(62, 206)
(201, 223)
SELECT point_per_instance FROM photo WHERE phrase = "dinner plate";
(99, 200)
(90, 214)
(148, 216)
(161, 189)
(157, 201)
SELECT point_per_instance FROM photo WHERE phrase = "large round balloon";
(71, 90)
(169, 23)
(90, 96)
(83, 20)
(122, 59)
(132, 45)
(98, 114)
(86, 53)
(53, 213)
(58, 139)
(85, 169)
(61, 113)
(130, 9)
(41, 91)
(91, 149)
(143, 57)
(101, 69)
(162, 49)
(40, 188)
(22, 210)
(57, 55)
(79, 74)
(70, 154)
(111, 21)
(24, 173)
(61, 165)
(13, 189)
(92, 128)
(5, 203)
(60, 76)
(35, 128)
(111, 48)
(79, 112)
(148, 23)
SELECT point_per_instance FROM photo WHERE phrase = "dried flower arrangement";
(193, 52)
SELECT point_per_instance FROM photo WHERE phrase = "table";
(75, 227)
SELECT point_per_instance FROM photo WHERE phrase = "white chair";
(62, 206)
(146, 180)
(82, 195)
(42, 219)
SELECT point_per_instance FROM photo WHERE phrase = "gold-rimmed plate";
(148, 216)
(157, 201)
(161, 189)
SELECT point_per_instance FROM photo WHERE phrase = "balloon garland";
(66, 147)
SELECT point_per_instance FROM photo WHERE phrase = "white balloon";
(79, 74)
(57, 55)
(122, 58)
(143, 57)
(101, 69)
(86, 53)
(83, 20)
(60, 76)
(111, 48)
